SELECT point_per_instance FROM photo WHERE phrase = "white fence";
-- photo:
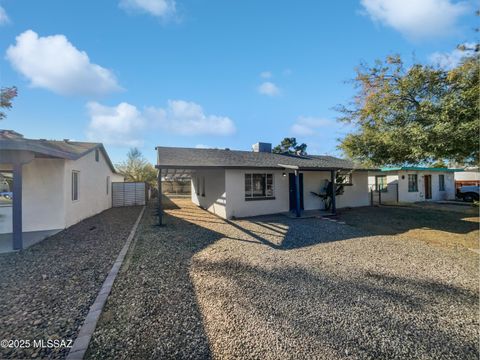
(128, 194)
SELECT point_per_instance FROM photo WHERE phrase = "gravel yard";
(47, 289)
(280, 288)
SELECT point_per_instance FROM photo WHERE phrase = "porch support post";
(17, 207)
(160, 205)
(333, 175)
(298, 210)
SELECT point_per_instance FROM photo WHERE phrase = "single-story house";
(413, 183)
(54, 184)
(235, 184)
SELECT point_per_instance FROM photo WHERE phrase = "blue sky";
(209, 73)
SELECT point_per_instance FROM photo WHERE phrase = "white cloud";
(3, 16)
(203, 146)
(188, 118)
(158, 8)
(449, 60)
(53, 63)
(307, 125)
(268, 88)
(417, 18)
(117, 125)
(266, 74)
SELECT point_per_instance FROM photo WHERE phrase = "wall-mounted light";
(284, 174)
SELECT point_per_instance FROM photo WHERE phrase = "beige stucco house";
(54, 184)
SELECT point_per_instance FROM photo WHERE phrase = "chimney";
(262, 147)
(10, 134)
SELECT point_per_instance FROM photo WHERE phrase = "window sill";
(260, 198)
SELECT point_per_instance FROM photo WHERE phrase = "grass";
(440, 225)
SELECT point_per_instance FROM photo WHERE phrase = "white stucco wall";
(214, 198)
(93, 196)
(353, 196)
(237, 206)
(43, 188)
(42, 197)
(405, 196)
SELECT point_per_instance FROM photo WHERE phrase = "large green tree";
(136, 168)
(290, 146)
(417, 114)
(6, 96)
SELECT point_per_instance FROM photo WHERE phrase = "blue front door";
(291, 188)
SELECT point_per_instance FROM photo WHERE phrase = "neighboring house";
(238, 184)
(55, 185)
(412, 184)
(469, 176)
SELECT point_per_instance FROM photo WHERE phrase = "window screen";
(75, 179)
(412, 182)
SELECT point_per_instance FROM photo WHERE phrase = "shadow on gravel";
(391, 220)
(154, 309)
(368, 315)
(152, 312)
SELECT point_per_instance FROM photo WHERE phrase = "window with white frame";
(75, 181)
(97, 155)
(259, 186)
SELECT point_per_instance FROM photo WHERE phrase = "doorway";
(428, 186)
(291, 188)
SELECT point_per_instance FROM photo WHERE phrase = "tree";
(418, 114)
(6, 96)
(290, 146)
(137, 169)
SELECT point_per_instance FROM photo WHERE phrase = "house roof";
(190, 158)
(419, 168)
(66, 149)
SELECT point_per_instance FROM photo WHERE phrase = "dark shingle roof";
(174, 157)
(71, 150)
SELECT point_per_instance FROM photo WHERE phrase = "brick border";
(80, 346)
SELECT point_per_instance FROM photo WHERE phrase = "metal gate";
(386, 196)
(128, 193)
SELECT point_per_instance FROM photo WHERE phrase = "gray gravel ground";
(47, 289)
(279, 288)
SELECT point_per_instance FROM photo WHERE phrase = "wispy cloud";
(266, 74)
(159, 8)
(308, 125)
(126, 125)
(53, 63)
(417, 19)
(449, 60)
(268, 88)
(188, 118)
(4, 19)
(115, 125)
